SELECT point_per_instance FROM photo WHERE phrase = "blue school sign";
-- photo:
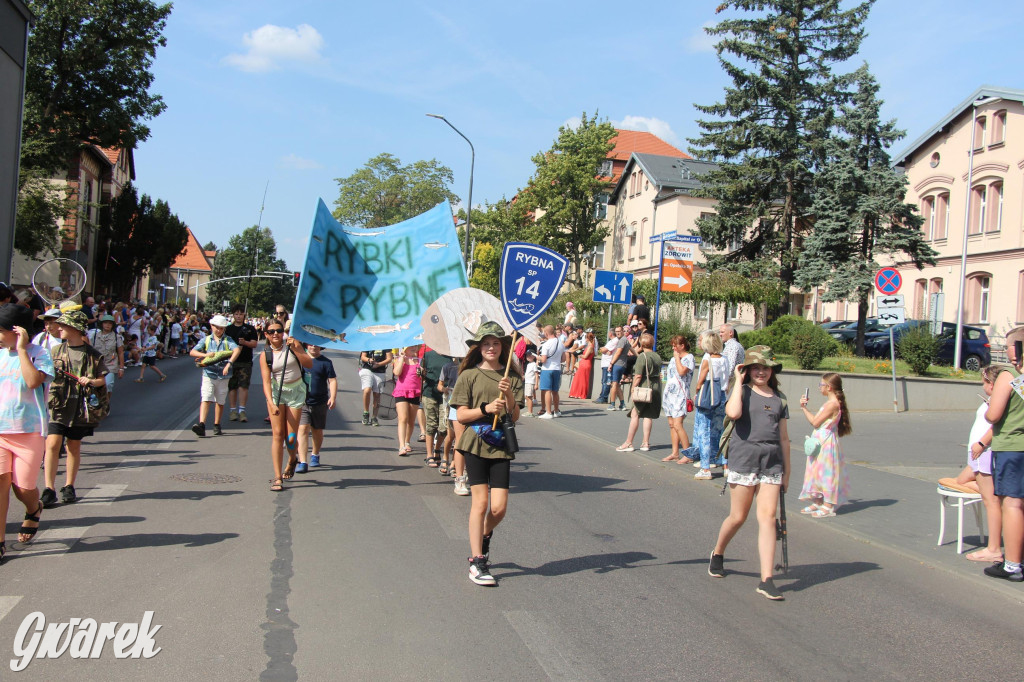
(531, 277)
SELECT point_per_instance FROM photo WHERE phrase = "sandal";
(26, 533)
(276, 485)
(810, 509)
(670, 458)
(140, 381)
(290, 469)
(823, 512)
(685, 460)
(163, 378)
(432, 462)
(443, 468)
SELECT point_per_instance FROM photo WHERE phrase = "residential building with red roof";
(184, 281)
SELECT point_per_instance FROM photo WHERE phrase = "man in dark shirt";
(320, 398)
(245, 337)
(641, 311)
(431, 399)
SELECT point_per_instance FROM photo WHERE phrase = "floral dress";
(826, 475)
(677, 390)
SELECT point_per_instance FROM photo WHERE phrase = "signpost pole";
(657, 297)
(610, 316)
(892, 355)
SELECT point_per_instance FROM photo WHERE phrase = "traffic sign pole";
(892, 355)
(657, 298)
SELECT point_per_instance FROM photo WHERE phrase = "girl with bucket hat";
(481, 393)
(758, 460)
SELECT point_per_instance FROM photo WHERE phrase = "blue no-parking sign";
(531, 277)
(888, 280)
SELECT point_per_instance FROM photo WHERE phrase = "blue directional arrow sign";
(612, 287)
(531, 277)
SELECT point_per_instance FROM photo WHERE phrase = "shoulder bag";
(644, 394)
(710, 394)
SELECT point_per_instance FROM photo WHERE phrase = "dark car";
(848, 334)
(834, 324)
(975, 352)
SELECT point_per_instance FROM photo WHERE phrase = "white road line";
(127, 464)
(6, 604)
(453, 518)
(163, 437)
(103, 494)
(550, 650)
(54, 541)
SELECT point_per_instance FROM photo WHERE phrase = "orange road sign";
(677, 276)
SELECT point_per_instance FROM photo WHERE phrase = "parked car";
(848, 334)
(834, 324)
(975, 352)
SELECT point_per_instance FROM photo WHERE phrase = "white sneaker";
(546, 415)
(558, 414)
(703, 475)
(461, 488)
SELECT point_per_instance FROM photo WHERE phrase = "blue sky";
(299, 93)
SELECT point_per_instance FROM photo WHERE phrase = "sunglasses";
(275, 331)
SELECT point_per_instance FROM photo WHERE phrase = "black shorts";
(315, 416)
(486, 471)
(69, 432)
(411, 401)
(149, 360)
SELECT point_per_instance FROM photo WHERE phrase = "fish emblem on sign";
(328, 334)
(530, 279)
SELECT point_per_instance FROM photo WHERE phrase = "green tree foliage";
(237, 259)
(861, 219)
(768, 133)
(139, 235)
(209, 246)
(384, 192)
(562, 194)
(88, 76)
(485, 268)
(41, 208)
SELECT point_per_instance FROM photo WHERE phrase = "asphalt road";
(358, 570)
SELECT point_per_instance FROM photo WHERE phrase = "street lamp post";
(958, 345)
(469, 209)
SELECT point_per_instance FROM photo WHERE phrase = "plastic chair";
(958, 499)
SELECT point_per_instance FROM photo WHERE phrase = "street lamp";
(469, 210)
(958, 347)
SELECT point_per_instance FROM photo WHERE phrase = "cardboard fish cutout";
(454, 318)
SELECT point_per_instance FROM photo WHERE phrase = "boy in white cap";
(215, 374)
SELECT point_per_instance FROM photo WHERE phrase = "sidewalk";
(894, 462)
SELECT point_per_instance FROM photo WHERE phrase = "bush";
(669, 329)
(811, 345)
(755, 337)
(779, 334)
(919, 348)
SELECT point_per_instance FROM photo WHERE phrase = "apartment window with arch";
(979, 293)
(980, 128)
(979, 204)
(941, 215)
(928, 215)
(632, 184)
(995, 218)
(631, 231)
(920, 302)
(642, 238)
(999, 127)
(639, 181)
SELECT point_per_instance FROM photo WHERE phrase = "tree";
(209, 246)
(768, 133)
(88, 76)
(384, 192)
(238, 258)
(563, 192)
(140, 235)
(860, 215)
(41, 208)
(485, 268)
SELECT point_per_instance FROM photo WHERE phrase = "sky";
(284, 98)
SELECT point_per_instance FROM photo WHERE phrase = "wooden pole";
(508, 367)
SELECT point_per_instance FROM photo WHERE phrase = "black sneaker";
(998, 571)
(374, 422)
(487, 546)
(48, 498)
(479, 573)
(217, 431)
(716, 569)
(768, 589)
(366, 418)
(67, 494)
(199, 430)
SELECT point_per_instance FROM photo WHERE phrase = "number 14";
(533, 290)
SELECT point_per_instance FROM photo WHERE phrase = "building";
(184, 282)
(15, 18)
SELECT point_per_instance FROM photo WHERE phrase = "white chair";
(958, 499)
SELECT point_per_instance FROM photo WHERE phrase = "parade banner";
(366, 289)
(530, 278)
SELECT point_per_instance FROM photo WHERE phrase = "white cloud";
(572, 123)
(271, 46)
(646, 124)
(295, 162)
(700, 41)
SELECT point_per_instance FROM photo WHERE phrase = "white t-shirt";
(552, 350)
(606, 358)
(44, 340)
(531, 373)
(175, 331)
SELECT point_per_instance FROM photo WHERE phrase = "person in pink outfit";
(826, 484)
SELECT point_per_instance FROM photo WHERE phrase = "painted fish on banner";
(368, 289)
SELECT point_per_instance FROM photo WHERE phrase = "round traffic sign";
(888, 280)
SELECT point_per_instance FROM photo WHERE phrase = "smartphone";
(807, 394)
(1018, 350)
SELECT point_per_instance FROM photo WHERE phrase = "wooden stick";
(508, 366)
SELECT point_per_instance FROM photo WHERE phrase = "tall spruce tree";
(860, 216)
(769, 131)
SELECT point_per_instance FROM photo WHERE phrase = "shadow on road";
(598, 563)
(546, 481)
(82, 522)
(191, 495)
(857, 505)
(99, 544)
(809, 575)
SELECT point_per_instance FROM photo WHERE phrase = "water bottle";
(94, 401)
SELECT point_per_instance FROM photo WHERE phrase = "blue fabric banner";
(366, 289)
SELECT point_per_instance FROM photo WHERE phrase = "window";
(928, 215)
(920, 309)
(642, 238)
(941, 215)
(979, 133)
(181, 279)
(983, 286)
(631, 233)
(999, 127)
(732, 311)
(978, 207)
(934, 161)
(995, 221)
(606, 169)
(601, 206)
(703, 310)
(979, 293)
(597, 257)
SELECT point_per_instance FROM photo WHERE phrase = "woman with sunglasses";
(285, 391)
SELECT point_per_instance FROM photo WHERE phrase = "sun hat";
(52, 313)
(760, 355)
(489, 328)
(108, 318)
(75, 319)
(219, 321)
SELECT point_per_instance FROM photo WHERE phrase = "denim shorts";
(550, 380)
(1008, 473)
(617, 372)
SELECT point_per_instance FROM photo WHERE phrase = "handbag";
(710, 395)
(643, 394)
(689, 405)
(812, 446)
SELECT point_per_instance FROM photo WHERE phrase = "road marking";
(127, 464)
(103, 494)
(46, 539)
(451, 517)
(552, 655)
(164, 437)
(6, 604)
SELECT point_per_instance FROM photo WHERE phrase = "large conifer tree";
(768, 133)
(860, 217)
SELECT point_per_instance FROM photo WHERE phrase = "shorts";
(110, 378)
(149, 360)
(241, 376)
(1008, 471)
(754, 479)
(488, 471)
(20, 455)
(314, 416)
(618, 371)
(371, 380)
(550, 380)
(982, 465)
(414, 400)
(436, 424)
(69, 432)
(213, 390)
(529, 390)
(291, 395)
